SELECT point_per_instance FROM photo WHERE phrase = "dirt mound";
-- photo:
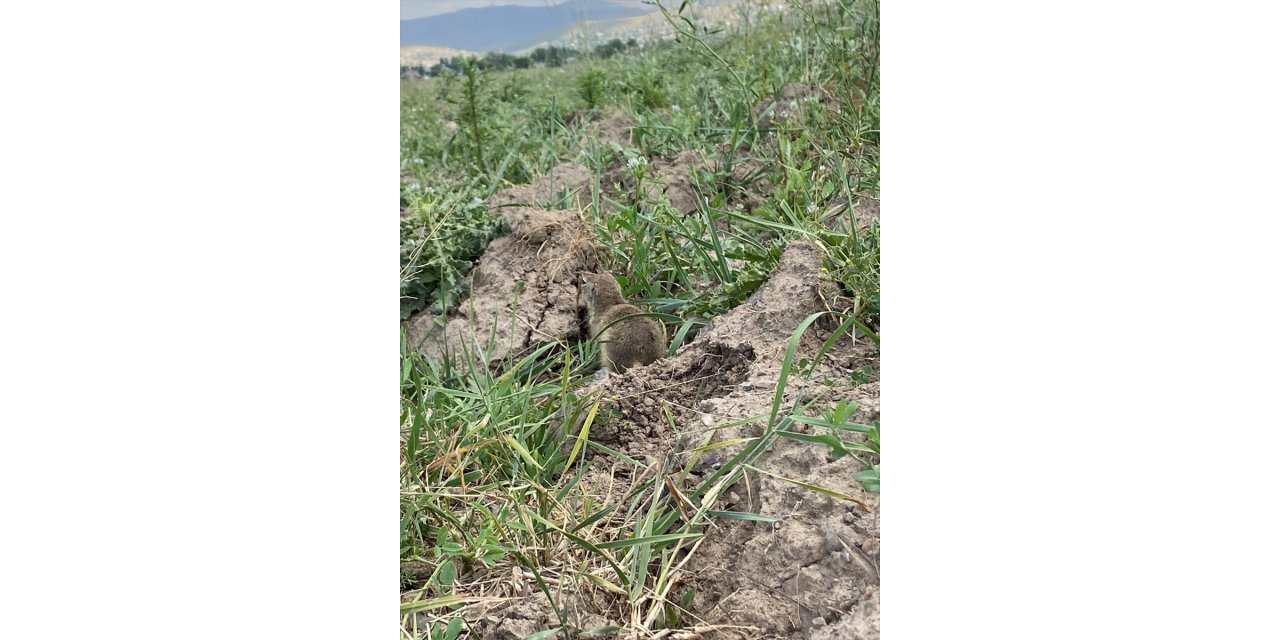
(611, 126)
(676, 179)
(602, 127)
(861, 623)
(516, 620)
(866, 212)
(819, 564)
(749, 185)
(672, 180)
(566, 177)
(523, 291)
(744, 344)
(792, 103)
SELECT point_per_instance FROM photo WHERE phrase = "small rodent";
(633, 342)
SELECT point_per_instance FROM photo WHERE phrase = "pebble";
(818, 622)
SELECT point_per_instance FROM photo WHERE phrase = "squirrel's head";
(597, 286)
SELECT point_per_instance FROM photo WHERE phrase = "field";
(730, 181)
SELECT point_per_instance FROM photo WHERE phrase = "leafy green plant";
(649, 88)
(472, 110)
(870, 478)
(439, 242)
(447, 632)
(591, 87)
(836, 422)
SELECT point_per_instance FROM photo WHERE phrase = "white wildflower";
(634, 163)
(675, 108)
(812, 208)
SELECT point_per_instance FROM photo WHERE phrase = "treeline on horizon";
(549, 56)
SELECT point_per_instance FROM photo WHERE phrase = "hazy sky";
(410, 9)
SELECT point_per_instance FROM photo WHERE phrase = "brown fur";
(632, 342)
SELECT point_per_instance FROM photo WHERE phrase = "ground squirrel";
(633, 342)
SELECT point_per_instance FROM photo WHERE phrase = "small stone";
(818, 622)
(733, 498)
(648, 401)
(849, 518)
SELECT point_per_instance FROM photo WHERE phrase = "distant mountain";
(509, 29)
